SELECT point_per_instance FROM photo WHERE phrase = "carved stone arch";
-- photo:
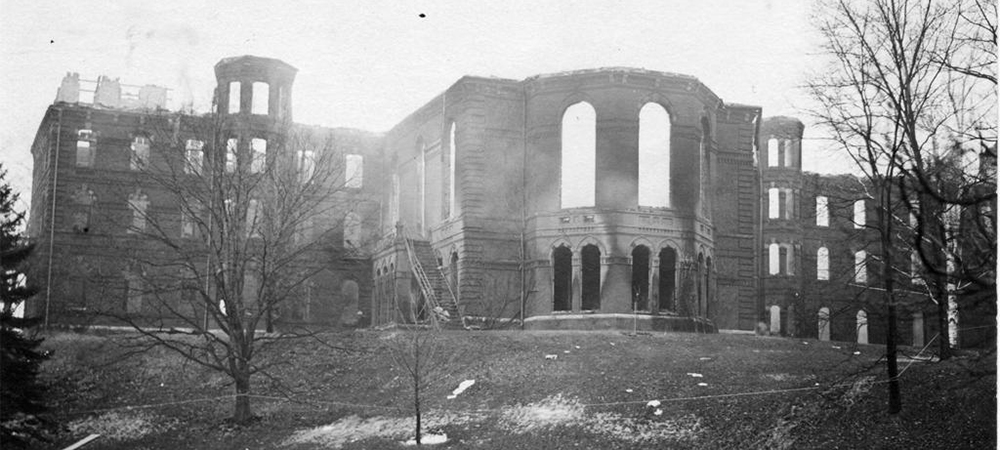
(591, 239)
(641, 240)
(561, 242)
(668, 243)
(572, 99)
(660, 99)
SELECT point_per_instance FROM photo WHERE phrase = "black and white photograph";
(571, 224)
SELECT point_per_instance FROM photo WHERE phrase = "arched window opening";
(654, 156)
(232, 151)
(822, 212)
(355, 171)
(349, 295)
(453, 173)
(590, 257)
(789, 153)
(640, 278)
(859, 214)
(352, 231)
(708, 285)
(784, 260)
(772, 152)
(700, 287)
(139, 156)
(775, 319)
(773, 259)
(773, 203)
(668, 270)
(578, 174)
(862, 325)
(822, 264)
(860, 267)
(137, 203)
(258, 155)
(562, 268)
(823, 319)
(84, 148)
(260, 98)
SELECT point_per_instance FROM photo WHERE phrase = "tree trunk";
(885, 235)
(416, 398)
(242, 414)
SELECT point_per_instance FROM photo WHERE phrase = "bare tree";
(239, 229)
(420, 351)
(885, 101)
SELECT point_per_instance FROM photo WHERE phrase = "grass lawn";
(714, 391)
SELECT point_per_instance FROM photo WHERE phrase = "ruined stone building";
(604, 198)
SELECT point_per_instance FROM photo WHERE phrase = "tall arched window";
(823, 319)
(822, 264)
(590, 259)
(562, 276)
(774, 259)
(822, 212)
(579, 156)
(859, 214)
(260, 98)
(654, 156)
(640, 278)
(773, 203)
(772, 152)
(860, 267)
(862, 326)
(452, 154)
(668, 270)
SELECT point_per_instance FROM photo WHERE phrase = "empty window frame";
(822, 263)
(188, 222)
(859, 214)
(85, 148)
(640, 278)
(823, 323)
(194, 156)
(654, 156)
(773, 259)
(822, 212)
(306, 164)
(232, 153)
(258, 152)
(774, 203)
(253, 219)
(260, 98)
(234, 97)
(562, 271)
(667, 282)
(352, 230)
(590, 259)
(453, 172)
(355, 171)
(139, 156)
(578, 174)
(138, 203)
(860, 267)
(789, 153)
(772, 152)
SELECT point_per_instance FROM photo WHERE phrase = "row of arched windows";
(579, 153)
(644, 280)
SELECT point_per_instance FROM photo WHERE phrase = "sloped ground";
(714, 391)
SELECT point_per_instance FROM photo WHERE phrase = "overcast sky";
(367, 64)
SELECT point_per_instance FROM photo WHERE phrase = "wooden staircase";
(433, 283)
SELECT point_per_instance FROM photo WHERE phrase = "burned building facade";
(605, 198)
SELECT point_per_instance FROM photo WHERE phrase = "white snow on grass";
(428, 439)
(695, 375)
(121, 425)
(354, 428)
(653, 403)
(461, 388)
(549, 412)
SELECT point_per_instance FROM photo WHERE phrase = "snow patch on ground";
(461, 388)
(354, 428)
(428, 439)
(120, 425)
